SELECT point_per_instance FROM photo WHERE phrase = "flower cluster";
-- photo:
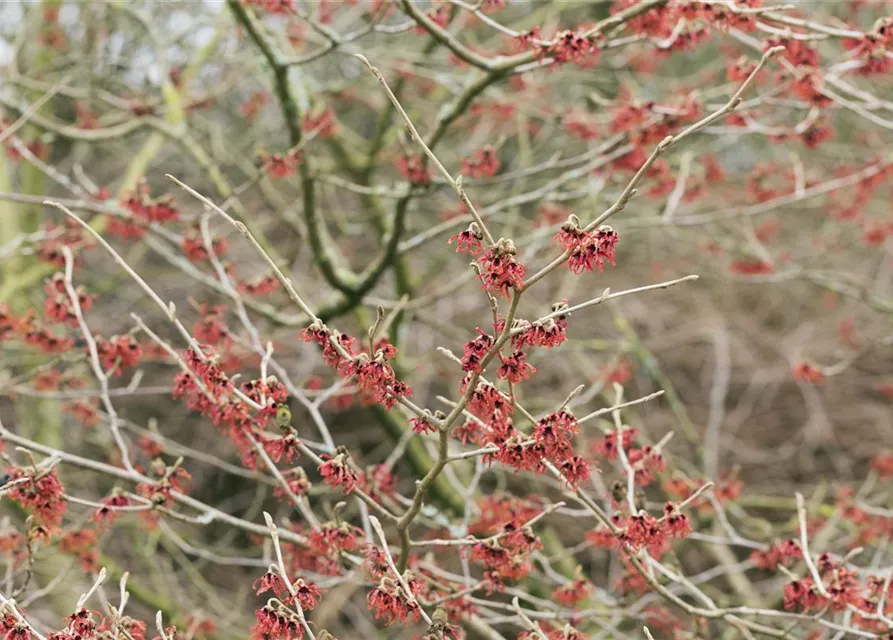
(82, 544)
(567, 46)
(547, 333)
(58, 306)
(321, 124)
(375, 376)
(39, 491)
(259, 286)
(210, 329)
(607, 446)
(337, 471)
(425, 424)
(118, 353)
(499, 511)
(306, 594)
(550, 441)
(469, 241)
(840, 588)
(588, 250)
(389, 603)
(108, 512)
(204, 368)
(483, 164)
(644, 531)
(506, 557)
(276, 621)
(414, 169)
(41, 337)
(780, 554)
(572, 592)
(167, 480)
(500, 272)
(331, 538)
(280, 165)
(145, 209)
(515, 368)
(69, 235)
(194, 247)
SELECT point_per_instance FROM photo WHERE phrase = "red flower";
(809, 88)
(643, 530)
(376, 561)
(284, 447)
(388, 603)
(85, 411)
(501, 272)
(591, 250)
(422, 425)
(621, 373)
(482, 164)
(470, 431)
(378, 481)
(81, 623)
(751, 267)
(260, 286)
(337, 472)
(307, 594)
(778, 554)
(554, 432)
(109, 511)
(607, 447)
(816, 133)
(803, 595)
(118, 353)
(514, 368)
(146, 209)
(528, 38)
(468, 241)
(808, 373)
(571, 235)
(677, 524)
(194, 245)
(575, 471)
(571, 593)
(872, 49)
(123, 228)
(580, 126)
(542, 333)
(504, 562)
(41, 492)
(796, 51)
(323, 125)
(414, 169)
(280, 165)
(475, 351)
(518, 452)
(297, 482)
(646, 462)
(331, 538)
(281, 7)
(569, 46)
(277, 622)
(58, 306)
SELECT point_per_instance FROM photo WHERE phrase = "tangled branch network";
(299, 337)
